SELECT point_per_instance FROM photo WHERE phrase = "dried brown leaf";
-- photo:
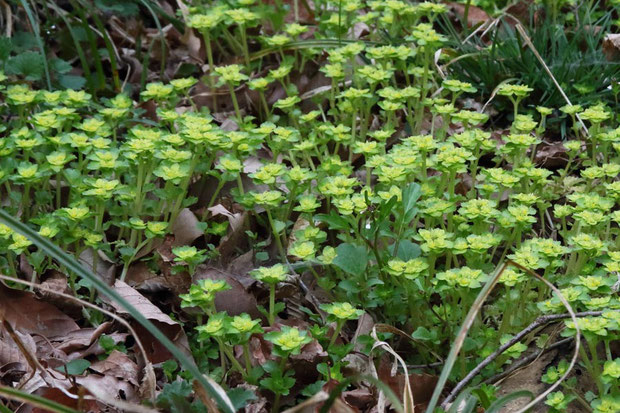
(118, 365)
(234, 301)
(475, 15)
(185, 228)
(156, 352)
(30, 315)
(611, 46)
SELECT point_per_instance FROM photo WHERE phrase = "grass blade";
(162, 37)
(37, 34)
(38, 401)
(78, 47)
(71, 264)
(499, 404)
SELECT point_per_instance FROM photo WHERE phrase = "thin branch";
(526, 360)
(540, 321)
(529, 43)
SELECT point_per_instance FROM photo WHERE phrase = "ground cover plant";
(325, 200)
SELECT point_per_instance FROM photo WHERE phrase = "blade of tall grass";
(162, 37)
(76, 42)
(72, 265)
(4, 409)
(92, 41)
(499, 404)
(38, 401)
(37, 35)
(109, 45)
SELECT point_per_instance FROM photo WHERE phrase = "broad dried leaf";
(156, 352)
(108, 388)
(185, 228)
(234, 301)
(30, 315)
(140, 277)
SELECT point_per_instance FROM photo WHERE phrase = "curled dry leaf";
(551, 155)
(106, 268)
(118, 365)
(55, 283)
(79, 339)
(156, 352)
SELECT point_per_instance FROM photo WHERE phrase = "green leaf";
(410, 197)
(407, 250)
(75, 367)
(35, 26)
(60, 66)
(6, 46)
(240, 397)
(71, 82)
(121, 7)
(352, 259)
(29, 65)
(333, 221)
(422, 333)
(279, 226)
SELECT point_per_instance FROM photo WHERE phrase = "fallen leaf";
(118, 365)
(475, 15)
(30, 315)
(422, 385)
(611, 46)
(362, 398)
(241, 266)
(54, 281)
(58, 396)
(551, 155)
(140, 277)
(185, 228)
(234, 301)
(156, 352)
(10, 353)
(108, 388)
(106, 269)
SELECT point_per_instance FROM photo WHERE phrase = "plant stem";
(336, 334)
(272, 303)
